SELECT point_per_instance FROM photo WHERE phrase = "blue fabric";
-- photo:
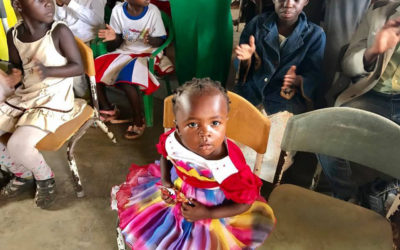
(126, 74)
(339, 171)
(304, 48)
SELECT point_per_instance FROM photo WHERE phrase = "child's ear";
(176, 127)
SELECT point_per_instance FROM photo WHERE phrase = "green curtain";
(204, 37)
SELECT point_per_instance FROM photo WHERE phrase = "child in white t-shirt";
(136, 30)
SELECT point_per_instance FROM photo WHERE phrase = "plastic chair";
(309, 220)
(148, 99)
(246, 125)
(73, 130)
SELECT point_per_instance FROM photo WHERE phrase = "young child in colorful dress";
(136, 29)
(202, 194)
(48, 55)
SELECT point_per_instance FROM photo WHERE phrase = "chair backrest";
(352, 134)
(246, 124)
(87, 57)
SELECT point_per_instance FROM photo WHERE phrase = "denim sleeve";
(311, 66)
(249, 29)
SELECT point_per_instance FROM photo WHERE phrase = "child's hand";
(388, 37)
(62, 2)
(146, 37)
(246, 51)
(108, 34)
(195, 211)
(166, 196)
(290, 81)
(40, 69)
(12, 79)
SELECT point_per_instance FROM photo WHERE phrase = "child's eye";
(192, 125)
(216, 123)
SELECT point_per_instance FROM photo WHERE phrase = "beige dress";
(46, 104)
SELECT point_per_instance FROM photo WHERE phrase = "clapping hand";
(387, 37)
(246, 51)
(107, 34)
(40, 69)
(290, 81)
(62, 2)
(12, 79)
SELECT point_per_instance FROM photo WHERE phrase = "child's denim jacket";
(304, 48)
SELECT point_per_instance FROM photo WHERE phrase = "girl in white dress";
(48, 56)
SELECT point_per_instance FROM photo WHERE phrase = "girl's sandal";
(134, 132)
(109, 115)
(13, 189)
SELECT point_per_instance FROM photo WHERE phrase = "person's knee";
(19, 149)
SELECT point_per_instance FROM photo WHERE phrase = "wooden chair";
(309, 220)
(73, 130)
(246, 125)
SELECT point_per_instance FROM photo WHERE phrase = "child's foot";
(16, 186)
(5, 178)
(45, 193)
(109, 115)
(134, 132)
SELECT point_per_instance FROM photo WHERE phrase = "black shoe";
(5, 178)
(45, 193)
(13, 189)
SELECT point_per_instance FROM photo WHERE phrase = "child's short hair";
(198, 86)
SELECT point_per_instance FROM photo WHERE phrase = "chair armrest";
(168, 23)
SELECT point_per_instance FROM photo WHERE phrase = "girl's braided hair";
(198, 86)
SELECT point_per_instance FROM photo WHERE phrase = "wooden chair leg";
(394, 207)
(257, 166)
(120, 238)
(316, 177)
(105, 129)
(71, 159)
(279, 169)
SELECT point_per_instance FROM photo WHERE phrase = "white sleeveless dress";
(46, 104)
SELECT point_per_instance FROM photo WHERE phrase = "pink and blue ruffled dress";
(147, 222)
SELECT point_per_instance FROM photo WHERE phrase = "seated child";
(47, 53)
(202, 194)
(281, 56)
(136, 30)
(83, 17)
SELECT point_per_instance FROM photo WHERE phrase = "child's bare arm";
(165, 173)
(15, 74)
(64, 42)
(198, 211)
(14, 57)
(166, 179)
